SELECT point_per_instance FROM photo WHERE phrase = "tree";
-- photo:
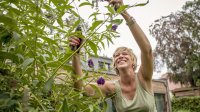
(178, 43)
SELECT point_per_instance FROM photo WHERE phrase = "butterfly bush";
(38, 61)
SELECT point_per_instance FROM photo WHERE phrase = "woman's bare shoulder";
(110, 85)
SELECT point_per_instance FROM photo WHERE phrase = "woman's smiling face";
(122, 59)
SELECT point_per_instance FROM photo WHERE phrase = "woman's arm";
(144, 45)
(106, 89)
(146, 68)
(76, 64)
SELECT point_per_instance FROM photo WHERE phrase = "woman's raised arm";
(146, 51)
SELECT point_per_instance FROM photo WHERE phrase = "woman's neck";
(127, 76)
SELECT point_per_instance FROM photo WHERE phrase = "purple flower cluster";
(101, 81)
(114, 27)
(90, 63)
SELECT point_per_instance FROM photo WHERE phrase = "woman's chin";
(122, 66)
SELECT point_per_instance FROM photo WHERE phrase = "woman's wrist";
(124, 13)
(129, 19)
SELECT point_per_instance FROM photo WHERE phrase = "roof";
(186, 89)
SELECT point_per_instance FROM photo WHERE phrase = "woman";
(133, 92)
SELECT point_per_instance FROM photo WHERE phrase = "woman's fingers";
(72, 44)
(74, 41)
(115, 3)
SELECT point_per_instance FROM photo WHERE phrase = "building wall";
(171, 84)
(182, 92)
(106, 64)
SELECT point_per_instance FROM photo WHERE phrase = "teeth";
(121, 61)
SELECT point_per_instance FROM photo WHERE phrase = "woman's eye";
(116, 55)
(124, 53)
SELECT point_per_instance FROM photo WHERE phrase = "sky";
(144, 16)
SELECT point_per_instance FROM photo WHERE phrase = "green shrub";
(186, 104)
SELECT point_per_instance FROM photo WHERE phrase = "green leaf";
(49, 40)
(91, 108)
(55, 2)
(110, 9)
(66, 2)
(53, 63)
(8, 21)
(16, 11)
(105, 105)
(74, 13)
(95, 24)
(142, 4)
(109, 39)
(60, 21)
(117, 21)
(122, 8)
(27, 62)
(75, 24)
(103, 45)
(65, 107)
(108, 27)
(67, 7)
(94, 14)
(85, 3)
(48, 84)
(54, 51)
(14, 1)
(47, 7)
(93, 47)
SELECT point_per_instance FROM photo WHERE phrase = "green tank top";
(143, 101)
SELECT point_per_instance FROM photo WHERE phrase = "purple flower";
(114, 27)
(90, 63)
(100, 81)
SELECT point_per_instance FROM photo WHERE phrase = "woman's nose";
(120, 55)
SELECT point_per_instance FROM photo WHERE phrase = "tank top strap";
(139, 85)
(137, 81)
(117, 87)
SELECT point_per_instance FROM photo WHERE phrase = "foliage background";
(186, 104)
(32, 57)
(178, 38)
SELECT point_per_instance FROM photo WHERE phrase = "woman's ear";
(134, 66)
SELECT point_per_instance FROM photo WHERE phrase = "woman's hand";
(116, 3)
(74, 42)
